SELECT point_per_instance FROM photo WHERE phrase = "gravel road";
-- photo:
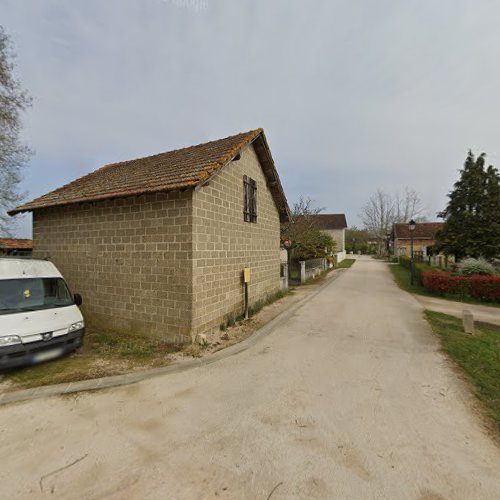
(348, 398)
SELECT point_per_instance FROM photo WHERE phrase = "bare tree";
(408, 205)
(307, 240)
(383, 210)
(13, 154)
(377, 214)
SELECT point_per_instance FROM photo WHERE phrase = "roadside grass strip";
(478, 356)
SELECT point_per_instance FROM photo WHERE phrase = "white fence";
(341, 256)
(311, 268)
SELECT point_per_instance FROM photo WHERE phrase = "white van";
(39, 318)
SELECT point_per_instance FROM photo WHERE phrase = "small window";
(250, 212)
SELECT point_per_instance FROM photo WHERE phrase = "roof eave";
(256, 137)
(273, 181)
(415, 238)
(107, 196)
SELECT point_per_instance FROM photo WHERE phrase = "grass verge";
(402, 278)
(345, 263)
(255, 308)
(102, 355)
(477, 355)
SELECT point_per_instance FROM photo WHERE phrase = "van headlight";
(10, 340)
(76, 326)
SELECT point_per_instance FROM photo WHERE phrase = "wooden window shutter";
(250, 199)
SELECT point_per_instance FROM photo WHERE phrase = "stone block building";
(157, 245)
(424, 237)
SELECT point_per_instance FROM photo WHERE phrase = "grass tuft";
(254, 309)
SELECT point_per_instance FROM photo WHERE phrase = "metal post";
(246, 278)
(412, 269)
(246, 300)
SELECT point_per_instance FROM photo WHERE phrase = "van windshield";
(33, 294)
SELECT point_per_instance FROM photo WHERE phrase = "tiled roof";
(170, 171)
(330, 221)
(16, 244)
(423, 230)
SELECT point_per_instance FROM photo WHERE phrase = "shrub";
(486, 288)
(476, 267)
(446, 283)
(480, 287)
(419, 267)
(405, 261)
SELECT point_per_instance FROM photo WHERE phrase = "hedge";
(480, 287)
(420, 269)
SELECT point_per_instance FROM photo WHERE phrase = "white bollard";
(302, 271)
(468, 322)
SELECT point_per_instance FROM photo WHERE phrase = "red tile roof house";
(13, 246)
(334, 225)
(424, 236)
(157, 245)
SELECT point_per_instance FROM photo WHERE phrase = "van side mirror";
(78, 299)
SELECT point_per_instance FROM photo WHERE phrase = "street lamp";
(353, 245)
(411, 226)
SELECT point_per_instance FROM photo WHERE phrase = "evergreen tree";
(472, 216)
(492, 213)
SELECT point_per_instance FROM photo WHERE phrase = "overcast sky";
(353, 95)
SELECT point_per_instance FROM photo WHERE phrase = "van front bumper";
(16, 355)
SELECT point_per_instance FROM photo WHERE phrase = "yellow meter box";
(247, 274)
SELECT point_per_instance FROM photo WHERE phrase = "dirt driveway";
(348, 398)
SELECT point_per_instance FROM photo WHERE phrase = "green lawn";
(477, 355)
(345, 263)
(402, 277)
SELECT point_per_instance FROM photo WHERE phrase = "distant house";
(13, 246)
(157, 245)
(334, 225)
(424, 237)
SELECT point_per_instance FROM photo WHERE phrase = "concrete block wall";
(170, 264)
(129, 258)
(223, 244)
